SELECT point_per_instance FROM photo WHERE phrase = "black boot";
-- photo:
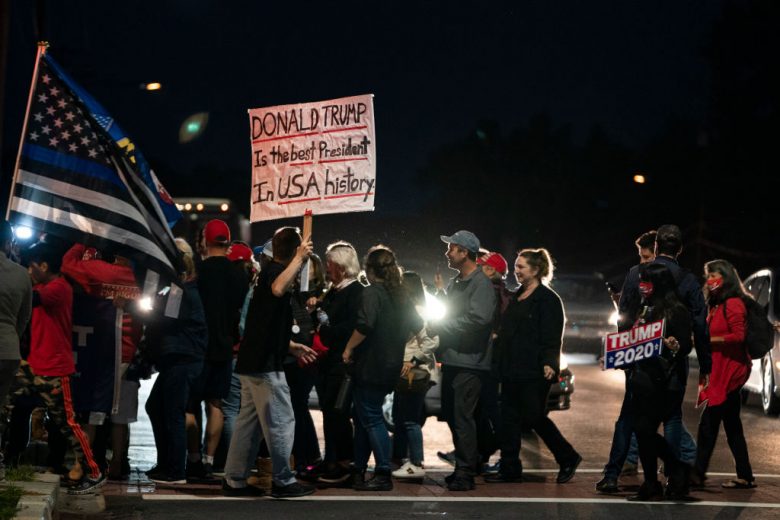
(379, 482)
(678, 484)
(358, 477)
(648, 492)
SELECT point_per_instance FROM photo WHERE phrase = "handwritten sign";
(641, 342)
(319, 156)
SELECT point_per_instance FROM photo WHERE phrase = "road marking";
(505, 500)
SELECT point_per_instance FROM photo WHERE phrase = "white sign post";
(313, 156)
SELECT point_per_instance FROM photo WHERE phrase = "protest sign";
(319, 156)
(627, 347)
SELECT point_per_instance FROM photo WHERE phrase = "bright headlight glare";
(145, 304)
(434, 308)
(23, 232)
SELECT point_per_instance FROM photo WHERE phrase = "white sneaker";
(410, 471)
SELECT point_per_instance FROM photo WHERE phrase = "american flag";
(75, 182)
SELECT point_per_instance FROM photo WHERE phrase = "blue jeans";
(266, 413)
(408, 414)
(166, 406)
(621, 438)
(230, 406)
(370, 430)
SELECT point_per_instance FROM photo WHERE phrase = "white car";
(764, 377)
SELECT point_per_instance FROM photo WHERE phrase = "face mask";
(714, 284)
(646, 289)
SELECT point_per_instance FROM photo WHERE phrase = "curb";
(39, 501)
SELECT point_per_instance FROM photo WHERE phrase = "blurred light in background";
(23, 233)
(151, 86)
(639, 178)
(193, 126)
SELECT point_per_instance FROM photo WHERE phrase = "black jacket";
(387, 326)
(183, 339)
(530, 336)
(223, 287)
(342, 310)
(689, 291)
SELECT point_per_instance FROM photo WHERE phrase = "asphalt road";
(588, 426)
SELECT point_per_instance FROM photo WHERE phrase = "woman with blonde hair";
(528, 347)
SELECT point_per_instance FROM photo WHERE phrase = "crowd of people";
(258, 329)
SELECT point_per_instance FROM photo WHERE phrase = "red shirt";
(730, 361)
(51, 342)
(93, 275)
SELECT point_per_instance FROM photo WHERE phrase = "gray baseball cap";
(463, 238)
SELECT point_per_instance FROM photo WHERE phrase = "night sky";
(440, 72)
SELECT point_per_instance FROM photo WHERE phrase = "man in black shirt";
(222, 287)
(266, 410)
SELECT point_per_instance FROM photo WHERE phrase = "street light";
(151, 86)
(639, 178)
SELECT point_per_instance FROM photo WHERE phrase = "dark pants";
(488, 417)
(524, 404)
(336, 424)
(649, 412)
(460, 394)
(306, 448)
(709, 425)
(7, 371)
(166, 407)
(408, 417)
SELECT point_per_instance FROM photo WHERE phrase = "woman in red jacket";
(730, 370)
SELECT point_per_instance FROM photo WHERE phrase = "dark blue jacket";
(182, 339)
(689, 291)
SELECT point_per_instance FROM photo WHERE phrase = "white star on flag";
(54, 141)
(43, 98)
(72, 147)
(34, 136)
(65, 135)
(38, 117)
(46, 129)
(54, 91)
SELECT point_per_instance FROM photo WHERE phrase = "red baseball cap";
(217, 232)
(239, 252)
(494, 260)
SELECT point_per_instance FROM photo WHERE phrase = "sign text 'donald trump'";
(319, 156)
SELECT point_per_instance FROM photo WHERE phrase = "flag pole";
(307, 223)
(42, 46)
